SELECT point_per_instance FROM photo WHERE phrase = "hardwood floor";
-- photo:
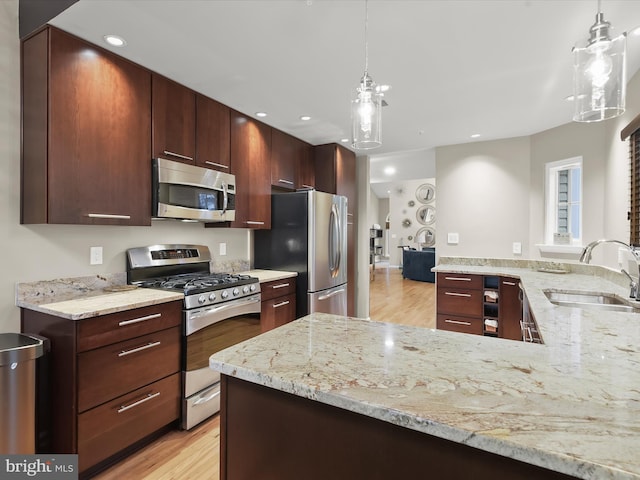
(181, 455)
(396, 300)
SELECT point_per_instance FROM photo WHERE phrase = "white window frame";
(551, 196)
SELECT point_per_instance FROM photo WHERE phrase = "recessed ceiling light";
(389, 170)
(261, 114)
(115, 40)
(344, 140)
(635, 32)
(475, 135)
(569, 98)
(305, 117)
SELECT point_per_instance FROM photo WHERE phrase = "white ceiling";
(499, 68)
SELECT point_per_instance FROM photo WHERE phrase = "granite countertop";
(269, 275)
(571, 404)
(85, 297)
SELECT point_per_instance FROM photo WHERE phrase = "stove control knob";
(252, 288)
(202, 299)
(236, 292)
(245, 289)
(212, 297)
(225, 294)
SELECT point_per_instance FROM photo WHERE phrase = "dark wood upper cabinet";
(284, 157)
(86, 154)
(305, 176)
(335, 172)
(213, 134)
(251, 164)
(174, 120)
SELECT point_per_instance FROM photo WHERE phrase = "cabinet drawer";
(107, 429)
(277, 312)
(459, 280)
(111, 371)
(277, 288)
(459, 324)
(107, 329)
(460, 301)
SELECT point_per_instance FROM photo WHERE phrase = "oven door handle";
(206, 316)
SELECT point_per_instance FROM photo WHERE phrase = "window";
(563, 215)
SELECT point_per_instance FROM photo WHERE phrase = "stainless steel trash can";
(18, 354)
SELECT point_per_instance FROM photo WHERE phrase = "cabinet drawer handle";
(281, 304)
(512, 284)
(458, 279)
(457, 322)
(166, 152)
(457, 294)
(304, 185)
(282, 285)
(108, 215)
(149, 396)
(216, 164)
(124, 353)
(139, 319)
(288, 182)
(251, 222)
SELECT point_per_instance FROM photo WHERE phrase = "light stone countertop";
(78, 298)
(269, 275)
(571, 405)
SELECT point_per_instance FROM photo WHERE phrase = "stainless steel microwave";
(188, 192)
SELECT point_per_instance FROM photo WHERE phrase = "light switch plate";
(517, 248)
(453, 238)
(95, 256)
(223, 249)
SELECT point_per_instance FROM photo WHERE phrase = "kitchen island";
(337, 397)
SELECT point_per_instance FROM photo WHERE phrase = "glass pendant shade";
(366, 116)
(600, 75)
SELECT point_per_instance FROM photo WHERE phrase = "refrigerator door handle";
(334, 241)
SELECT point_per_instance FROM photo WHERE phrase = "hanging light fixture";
(366, 108)
(599, 84)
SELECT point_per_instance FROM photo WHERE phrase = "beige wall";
(492, 193)
(41, 252)
(605, 177)
(483, 196)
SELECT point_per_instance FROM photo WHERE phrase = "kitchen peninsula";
(338, 397)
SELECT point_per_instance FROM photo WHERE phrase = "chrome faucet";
(633, 286)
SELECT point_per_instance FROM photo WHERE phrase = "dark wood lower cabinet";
(278, 303)
(269, 434)
(115, 381)
(105, 430)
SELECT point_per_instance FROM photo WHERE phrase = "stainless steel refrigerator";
(308, 235)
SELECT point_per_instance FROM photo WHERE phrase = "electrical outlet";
(453, 238)
(223, 249)
(517, 248)
(95, 256)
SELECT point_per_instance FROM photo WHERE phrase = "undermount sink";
(591, 301)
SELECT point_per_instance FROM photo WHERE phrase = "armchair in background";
(417, 264)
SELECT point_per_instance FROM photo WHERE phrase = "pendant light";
(599, 84)
(366, 108)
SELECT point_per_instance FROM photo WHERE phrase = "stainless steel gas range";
(220, 310)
